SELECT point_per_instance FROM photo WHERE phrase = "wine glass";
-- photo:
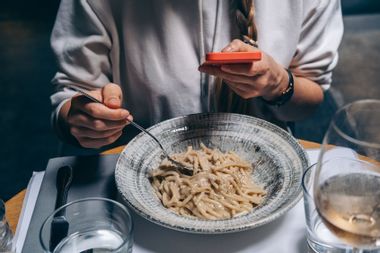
(347, 178)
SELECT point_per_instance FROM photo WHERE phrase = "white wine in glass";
(347, 180)
(349, 205)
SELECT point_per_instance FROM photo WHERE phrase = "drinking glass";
(346, 188)
(88, 225)
(320, 237)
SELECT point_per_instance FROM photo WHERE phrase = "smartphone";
(219, 58)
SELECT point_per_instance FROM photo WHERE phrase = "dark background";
(27, 66)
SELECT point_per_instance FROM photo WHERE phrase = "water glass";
(88, 225)
(6, 235)
(319, 237)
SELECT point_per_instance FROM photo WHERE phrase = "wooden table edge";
(14, 205)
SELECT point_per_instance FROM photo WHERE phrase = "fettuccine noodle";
(221, 186)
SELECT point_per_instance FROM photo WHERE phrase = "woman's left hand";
(265, 78)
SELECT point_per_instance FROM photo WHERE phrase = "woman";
(144, 56)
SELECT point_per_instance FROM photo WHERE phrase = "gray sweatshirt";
(152, 48)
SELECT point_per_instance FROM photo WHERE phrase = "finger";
(100, 111)
(83, 120)
(96, 93)
(237, 91)
(243, 94)
(242, 90)
(216, 71)
(112, 95)
(98, 143)
(245, 69)
(240, 86)
(96, 110)
(238, 46)
(80, 132)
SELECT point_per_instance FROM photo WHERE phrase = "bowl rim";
(253, 224)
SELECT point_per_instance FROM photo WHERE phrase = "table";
(14, 205)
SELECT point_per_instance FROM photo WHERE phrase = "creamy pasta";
(221, 186)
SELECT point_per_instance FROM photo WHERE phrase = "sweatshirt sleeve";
(317, 51)
(81, 46)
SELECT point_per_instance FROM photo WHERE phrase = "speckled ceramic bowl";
(278, 159)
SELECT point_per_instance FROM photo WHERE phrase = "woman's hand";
(265, 78)
(92, 124)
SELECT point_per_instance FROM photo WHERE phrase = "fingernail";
(124, 114)
(130, 118)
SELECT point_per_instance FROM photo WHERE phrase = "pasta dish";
(221, 186)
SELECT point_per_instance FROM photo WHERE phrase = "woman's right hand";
(92, 124)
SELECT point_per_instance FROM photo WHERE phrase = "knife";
(60, 226)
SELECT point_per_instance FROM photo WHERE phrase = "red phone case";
(218, 58)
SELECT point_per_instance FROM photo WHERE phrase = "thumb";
(112, 95)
